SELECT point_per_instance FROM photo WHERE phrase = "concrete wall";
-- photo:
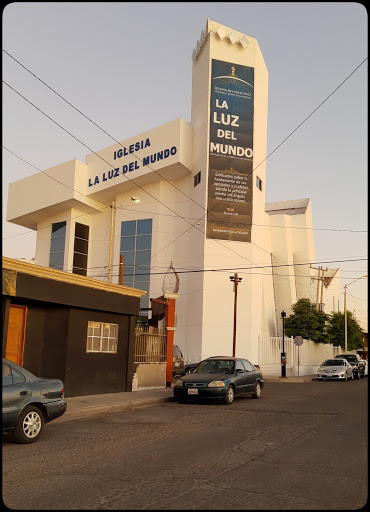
(310, 353)
(149, 376)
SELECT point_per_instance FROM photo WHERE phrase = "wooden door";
(16, 333)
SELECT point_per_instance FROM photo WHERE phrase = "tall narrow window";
(80, 249)
(258, 183)
(136, 246)
(57, 244)
(197, 178)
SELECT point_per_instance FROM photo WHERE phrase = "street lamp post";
(283, 358)
(236, 280)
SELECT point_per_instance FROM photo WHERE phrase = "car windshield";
(333, 362)
(215, 366)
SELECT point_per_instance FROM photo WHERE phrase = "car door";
(348, 370)
(251, 375)
(240, 378)
(16, 393)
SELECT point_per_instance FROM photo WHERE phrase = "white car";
(335, 369)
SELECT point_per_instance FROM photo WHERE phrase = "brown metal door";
(16, 332)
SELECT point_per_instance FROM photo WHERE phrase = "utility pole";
(236, 280)
(318, 288)
(121, 269)
(113, 206)
(322, 288)
(283, 358)
(320, 277)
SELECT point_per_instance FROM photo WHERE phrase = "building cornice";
(66, 277)
(223, 33)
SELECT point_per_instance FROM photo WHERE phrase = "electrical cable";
(193, 225)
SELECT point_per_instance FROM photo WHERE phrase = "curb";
(290, 380)
(94, 410)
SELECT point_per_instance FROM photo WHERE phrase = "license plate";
(192, 391)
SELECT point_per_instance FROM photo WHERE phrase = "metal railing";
(150, 345)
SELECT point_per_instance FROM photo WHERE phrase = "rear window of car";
(351, 358)
(176, 351)
(7, 375)
(333, 362)
(17, 377)
(11, 376)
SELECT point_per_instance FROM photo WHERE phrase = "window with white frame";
(102, 337)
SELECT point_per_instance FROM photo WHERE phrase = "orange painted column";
(170, 326)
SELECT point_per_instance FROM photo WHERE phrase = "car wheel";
(257, 392)
(29, 425)
(230, 395)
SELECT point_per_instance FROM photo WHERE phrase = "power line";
(207, 212)
(231, 269)
(166, 214)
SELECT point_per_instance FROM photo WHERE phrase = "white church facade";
(202, 207)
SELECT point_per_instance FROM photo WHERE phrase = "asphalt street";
(300, 447)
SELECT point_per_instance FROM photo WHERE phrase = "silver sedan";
(335, 369)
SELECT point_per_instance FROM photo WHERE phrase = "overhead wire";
(207, 212)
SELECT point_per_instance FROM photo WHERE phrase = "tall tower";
(229, 121)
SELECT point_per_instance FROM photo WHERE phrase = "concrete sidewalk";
(91, 405)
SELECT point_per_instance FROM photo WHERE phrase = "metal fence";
(311, 353)
(150, 345)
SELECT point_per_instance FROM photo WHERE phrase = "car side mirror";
(239, 370)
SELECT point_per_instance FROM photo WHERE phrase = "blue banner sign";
(230, 190)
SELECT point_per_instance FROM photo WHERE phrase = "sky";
(128, 67)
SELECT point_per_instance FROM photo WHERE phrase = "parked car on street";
(189, 368)
(178, 362)
(220, 378)
(357, 364)
(29, 402)
(335, 369)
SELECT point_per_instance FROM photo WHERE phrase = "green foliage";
(313, 325)
(335, 330)
(306, 322)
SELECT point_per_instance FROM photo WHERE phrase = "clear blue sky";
(128, 67)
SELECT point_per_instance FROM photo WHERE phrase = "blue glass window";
(128, 243)
(143, 242)
(57, 245)
(128, 228)
(128, 258)
(136, 248)
(144, 227)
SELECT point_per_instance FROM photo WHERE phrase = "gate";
(150, 345)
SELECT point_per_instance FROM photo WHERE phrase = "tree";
(307, 322)
(335, 330)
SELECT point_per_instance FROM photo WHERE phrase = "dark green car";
(220, 378)
(29, 402)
